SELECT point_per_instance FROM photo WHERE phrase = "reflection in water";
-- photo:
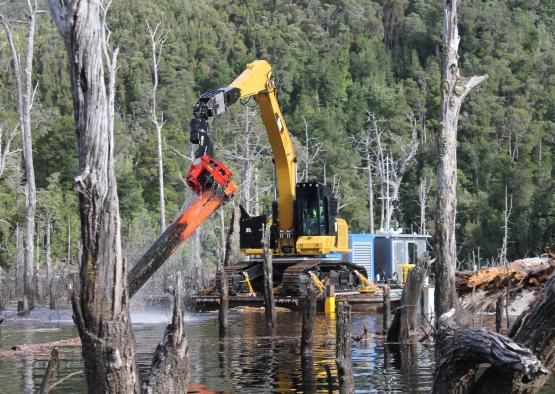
(249, 360)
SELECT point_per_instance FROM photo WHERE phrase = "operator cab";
(314, 210)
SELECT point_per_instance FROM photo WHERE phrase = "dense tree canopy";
(335, 63)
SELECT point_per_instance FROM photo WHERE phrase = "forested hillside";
(344, 69)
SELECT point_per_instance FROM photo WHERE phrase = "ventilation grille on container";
(362, 255)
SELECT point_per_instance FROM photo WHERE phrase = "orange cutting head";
(207, 173)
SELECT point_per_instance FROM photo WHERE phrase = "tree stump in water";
(269, 304)
(405, 316)
(309, 315)
(169, 372)
(51, 369)
(23, 307)
(386, 309)
(343, 344)
(224, 290)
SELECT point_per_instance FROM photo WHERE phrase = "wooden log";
(518, 270)
(343, 344)
(224, 290)
(460, 352)
(386, 309)
(51, 369)
(498, 313)
(269, 305)
(533, 329)
(169, 371)
(405, 315)
(195, 212)
(308, 318)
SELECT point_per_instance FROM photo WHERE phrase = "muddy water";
(249, 360)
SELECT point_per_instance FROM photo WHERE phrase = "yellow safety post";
(329, 303)
(406, 269)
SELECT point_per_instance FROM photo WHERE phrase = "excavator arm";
(255, 81)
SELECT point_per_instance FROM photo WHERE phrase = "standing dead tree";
(100, 310)
(5, 146)
(423, 194)
(312, 148)
(364, 142)
(157, 41)
(25, 96)
(454, 89)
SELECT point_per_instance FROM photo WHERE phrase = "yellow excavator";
(306, 237)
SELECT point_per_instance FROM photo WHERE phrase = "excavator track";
(296, 278)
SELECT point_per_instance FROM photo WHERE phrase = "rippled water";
(249, 360)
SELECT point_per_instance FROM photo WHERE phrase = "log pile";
(523, 273)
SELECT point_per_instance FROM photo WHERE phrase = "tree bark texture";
(454, 89)
(169, 372)
(269, 304)
(224, 290)
(534, 330)
(100, 310)
(405, 316)
(24, 95)
(309, 316)
(460, 352)
(386, 309)
(343, 344)
(51, 369)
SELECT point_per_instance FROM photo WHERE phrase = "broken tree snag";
(224, 290)
(533, 329)
(343, 344)
(454, 89)
(169, 372)
(100, 309)
(404, 319)
(195, 212)
(309, 316)
(460, 353)
(51, 369)
(386, 309)
(269, 304)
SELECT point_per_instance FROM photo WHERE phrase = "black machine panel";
(251, 230)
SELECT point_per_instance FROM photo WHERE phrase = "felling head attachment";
(207, 173)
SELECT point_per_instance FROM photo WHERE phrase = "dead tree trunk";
(533, 330)
(405, 316)
(224, 290)
(51, 369)
(309, 315)
(169, 372)
(100, 309)
(343, 344)
(386, 309)
(269, 304)
(157, 41)
(454, 90)
(461, 351)
(25, 95)
(47, 248)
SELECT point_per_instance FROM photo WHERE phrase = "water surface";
(249, 360)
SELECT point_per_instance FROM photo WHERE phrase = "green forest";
(344, 69)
